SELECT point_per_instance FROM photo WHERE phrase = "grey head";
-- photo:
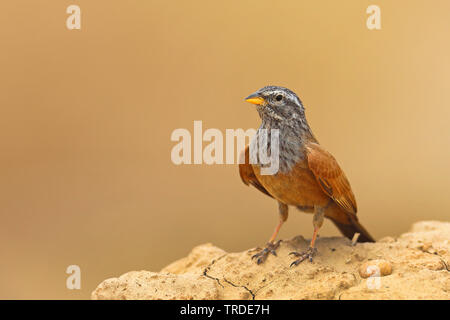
(279, 107)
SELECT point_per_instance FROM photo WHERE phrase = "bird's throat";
(291, 142)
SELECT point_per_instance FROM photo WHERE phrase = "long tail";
(347, 223)
(349, 230)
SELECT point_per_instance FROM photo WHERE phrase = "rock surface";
(420, 262)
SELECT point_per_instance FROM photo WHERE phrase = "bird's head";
(277, 104)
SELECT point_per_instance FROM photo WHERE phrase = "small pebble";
(374, 268)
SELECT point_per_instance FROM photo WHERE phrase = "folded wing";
(330, 177)
(247, 174)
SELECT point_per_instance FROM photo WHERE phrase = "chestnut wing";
(330, 177)
(247, 174)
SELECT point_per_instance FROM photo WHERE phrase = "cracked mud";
(420, 262)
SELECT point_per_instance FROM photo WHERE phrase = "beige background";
(86, 119)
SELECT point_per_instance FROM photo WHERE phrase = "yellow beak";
(255, 99)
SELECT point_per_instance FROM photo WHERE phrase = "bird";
(308, 177)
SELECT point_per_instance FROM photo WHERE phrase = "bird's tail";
(353, 227)
(347, 223)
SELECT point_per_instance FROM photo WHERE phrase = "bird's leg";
(308, 254)
(272, 246)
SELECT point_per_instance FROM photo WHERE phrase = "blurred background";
(86, 119)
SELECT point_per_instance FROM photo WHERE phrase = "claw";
(308, 254)
(295, 263)
(262, 252)
(262, 255)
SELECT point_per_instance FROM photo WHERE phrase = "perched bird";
(308, 176)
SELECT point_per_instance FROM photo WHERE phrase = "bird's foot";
(308, 254)
(271, 247)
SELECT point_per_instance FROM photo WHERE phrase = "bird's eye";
(279, 97)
